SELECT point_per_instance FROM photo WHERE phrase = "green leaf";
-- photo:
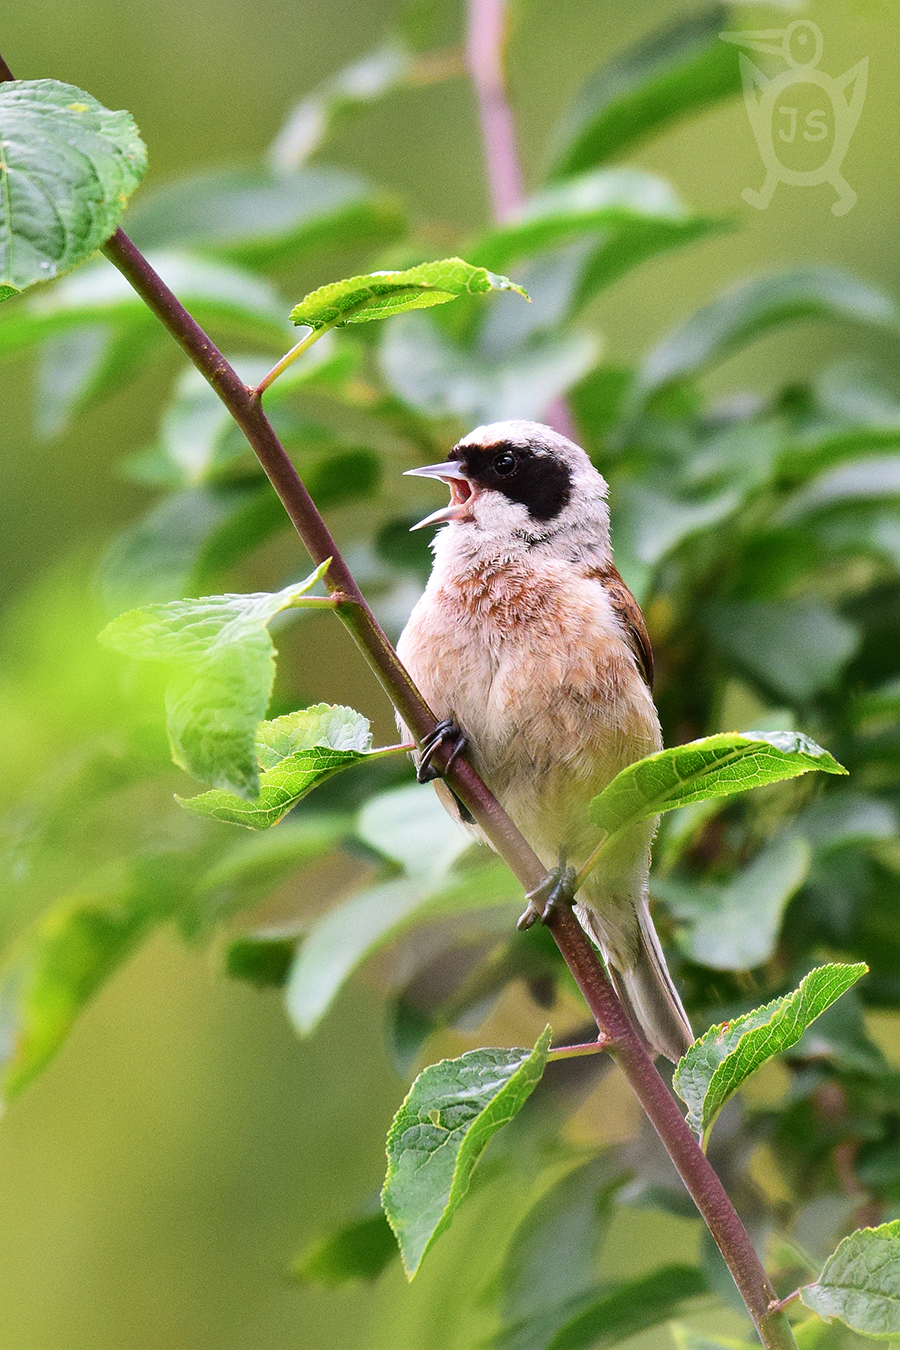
(79, 367)
(296, 752)
(67, 168)
(348, 934)
(224, 664)
(680, 69)
(450, 1113)
(309, 123)
(860, 1283)
(650, 524)
(426, 842)
(793, 647)
(718, 1063)
(716, 766)
(156, 559)
(412, 828)
(380, 294)
(260, 218)
(440, 378)
(198, 439)
(609, 1316)
(629, 214)
(552, 1256)
(58, 964)
(756, 307)
(261, 959)
(216, 294)
(865, 480)
(360, 1250)
(736, 927)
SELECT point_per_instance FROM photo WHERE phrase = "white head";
(518, 486)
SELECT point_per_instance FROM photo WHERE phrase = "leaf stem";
(290, 357)
(597, 1047)
(780, 1304)
(696, 1172)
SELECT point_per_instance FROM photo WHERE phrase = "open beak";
(461, 492)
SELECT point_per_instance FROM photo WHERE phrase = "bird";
(534, 656)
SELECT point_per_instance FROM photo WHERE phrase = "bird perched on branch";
(534, 654)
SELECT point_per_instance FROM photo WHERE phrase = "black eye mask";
(542, 483)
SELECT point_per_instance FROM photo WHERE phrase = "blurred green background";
(156, 1181)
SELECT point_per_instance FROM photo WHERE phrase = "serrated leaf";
(224, 666)
(716, 766)
(629, 216)
(261, 218)
(440, 378)
(679, 69)
(308, 124)
(756, 307)
(67, 168)
(359, 1250)
(608, 1316)
(216, 293)
(718, 1063)
(380, 294)
(449, 1116)
(296, 753)
(860, 1283)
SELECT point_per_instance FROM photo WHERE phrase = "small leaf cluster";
(758, 533)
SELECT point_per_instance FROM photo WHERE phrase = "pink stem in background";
(485, 48)
(485, 52)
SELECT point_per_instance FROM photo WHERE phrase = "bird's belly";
(552, 710)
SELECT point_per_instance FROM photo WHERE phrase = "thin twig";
(597, 1047)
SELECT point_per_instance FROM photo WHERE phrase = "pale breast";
(533, 665)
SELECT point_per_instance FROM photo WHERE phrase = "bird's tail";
(645, 987)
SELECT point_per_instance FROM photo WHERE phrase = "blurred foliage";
(759, 533)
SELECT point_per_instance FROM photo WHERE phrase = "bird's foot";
(557, 889)
(445, 730)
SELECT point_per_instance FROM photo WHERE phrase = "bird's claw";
(555, 890)
(445, 730)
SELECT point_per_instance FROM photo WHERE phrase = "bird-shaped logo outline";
(846, 94)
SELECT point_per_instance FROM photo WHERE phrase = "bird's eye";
(505, 463)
